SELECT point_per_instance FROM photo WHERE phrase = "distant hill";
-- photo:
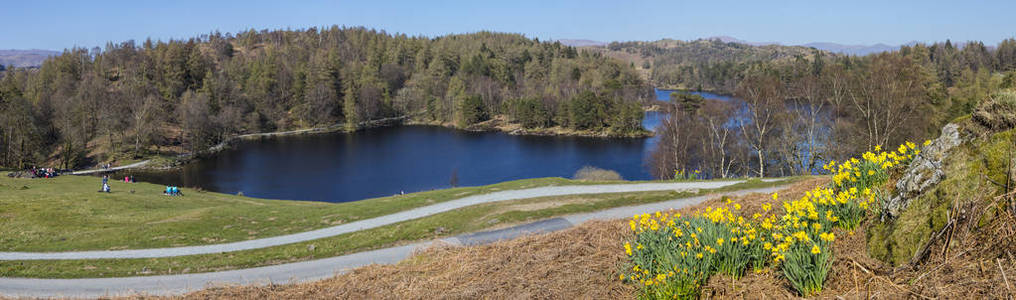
(25, 58)
(859, 50)
(730, 39)
(582, 43)
(708, 64)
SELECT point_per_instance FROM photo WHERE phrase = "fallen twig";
(940, 265)
(1003, 276)
(893, 284)
(860, 266)
(923, 252)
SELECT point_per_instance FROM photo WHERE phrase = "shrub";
(596, 174)
(998, 112)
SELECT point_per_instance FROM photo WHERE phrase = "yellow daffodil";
(828, 236)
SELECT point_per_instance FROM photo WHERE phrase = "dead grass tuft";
(596, 174)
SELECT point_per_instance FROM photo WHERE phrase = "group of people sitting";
(43, 172)
(172, 191)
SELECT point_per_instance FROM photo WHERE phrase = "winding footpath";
(328, 267)
(134, 165)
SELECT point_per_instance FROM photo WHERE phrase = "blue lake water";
(385, 161)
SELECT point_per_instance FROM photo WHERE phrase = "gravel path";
(134, 165)
(165, 285)
(367, 223)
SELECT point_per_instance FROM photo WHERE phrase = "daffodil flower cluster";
(673, 255)
(804, 238)
(857, 182)
(804, 250)
(872, 166)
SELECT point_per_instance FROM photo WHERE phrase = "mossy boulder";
(898, 241)
(924, 171)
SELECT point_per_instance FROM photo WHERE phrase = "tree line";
(131, 99)
(792, 116)
(704, 64)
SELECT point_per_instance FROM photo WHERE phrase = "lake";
(377, 162)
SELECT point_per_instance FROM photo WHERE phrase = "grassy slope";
(66, 213)
(450, 223)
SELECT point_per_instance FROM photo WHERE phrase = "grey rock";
(923, 172)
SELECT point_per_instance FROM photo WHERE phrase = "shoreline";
(184, 158)
(715, 92)
(497, 124)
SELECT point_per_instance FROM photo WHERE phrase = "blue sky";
(61, 24)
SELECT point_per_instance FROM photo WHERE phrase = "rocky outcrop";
(924, 171)
(951, 184)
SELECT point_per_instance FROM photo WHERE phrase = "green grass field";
(67, 213)
(469, 219)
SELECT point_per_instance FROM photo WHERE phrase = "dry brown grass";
(578, 263)
(583, 262)
(596, 174)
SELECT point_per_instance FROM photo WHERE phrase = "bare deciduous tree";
(763, 95)
(886, 96)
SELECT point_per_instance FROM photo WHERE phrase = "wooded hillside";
(130, 97)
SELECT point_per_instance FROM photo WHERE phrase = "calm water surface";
(385, 161)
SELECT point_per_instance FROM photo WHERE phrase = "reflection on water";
(385, 161)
